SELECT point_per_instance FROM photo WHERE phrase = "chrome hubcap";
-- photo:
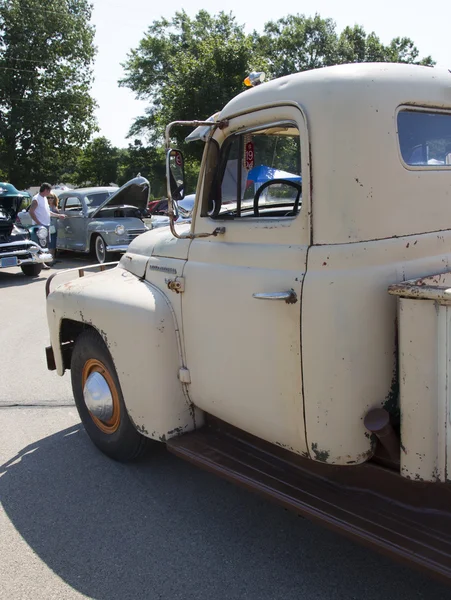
(98, 397)
(100, 249)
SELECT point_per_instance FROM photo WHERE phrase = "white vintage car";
(299, 346)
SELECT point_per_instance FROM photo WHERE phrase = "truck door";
(242, 300)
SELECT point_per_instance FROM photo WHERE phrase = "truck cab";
(279, 339)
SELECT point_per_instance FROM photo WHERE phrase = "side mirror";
(175, 173)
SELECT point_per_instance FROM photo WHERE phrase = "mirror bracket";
(169, 150)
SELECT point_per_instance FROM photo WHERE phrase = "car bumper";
(18, 258)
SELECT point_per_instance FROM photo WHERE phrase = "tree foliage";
(299, 43)
(98, 163)
(189, 68)
(46, 112)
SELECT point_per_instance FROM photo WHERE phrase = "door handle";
(289, 296)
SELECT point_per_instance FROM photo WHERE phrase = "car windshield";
(96, 199)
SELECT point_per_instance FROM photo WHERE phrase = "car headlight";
(120, 230)
(42, 233)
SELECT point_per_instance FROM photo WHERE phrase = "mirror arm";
(189, 236)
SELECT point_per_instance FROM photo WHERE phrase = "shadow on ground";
(66, 260)
(161, 528)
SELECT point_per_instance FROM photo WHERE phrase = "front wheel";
(31, 270)
(99, 400)
(102, 254)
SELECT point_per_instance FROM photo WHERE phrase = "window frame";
(224, 152)
(418, 109)
(71, 209)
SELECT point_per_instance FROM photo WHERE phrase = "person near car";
(40, 211)
(52, 199)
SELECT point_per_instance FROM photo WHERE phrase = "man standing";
(40, 210)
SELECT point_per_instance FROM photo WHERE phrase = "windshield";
(259, 174)
(97, 199)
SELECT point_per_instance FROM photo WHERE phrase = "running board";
(408, 520)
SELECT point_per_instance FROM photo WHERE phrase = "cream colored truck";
(301, 345)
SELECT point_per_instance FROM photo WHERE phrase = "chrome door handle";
(290, 296)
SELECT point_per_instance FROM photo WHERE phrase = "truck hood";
(133, 193)
(154, 245)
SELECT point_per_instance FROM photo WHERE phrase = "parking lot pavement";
(75, 524)
(24, 335)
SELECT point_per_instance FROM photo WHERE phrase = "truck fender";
(139, 327)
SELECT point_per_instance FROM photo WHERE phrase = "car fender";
(138, 325)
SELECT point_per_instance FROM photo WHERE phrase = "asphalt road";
(74, 524)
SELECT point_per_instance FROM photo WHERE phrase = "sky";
(121, 24)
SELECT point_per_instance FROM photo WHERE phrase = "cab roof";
(360, 187)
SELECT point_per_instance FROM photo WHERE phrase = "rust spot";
(292, 299)
(324, 264)
(320, 455)
(408, 244)
(141, 428)
(176, 430)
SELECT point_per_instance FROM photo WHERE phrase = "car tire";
(31, 270)
(100, 250)
(116, 436)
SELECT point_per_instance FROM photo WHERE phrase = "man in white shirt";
(40, 212)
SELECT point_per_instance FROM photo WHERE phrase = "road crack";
(38, 405)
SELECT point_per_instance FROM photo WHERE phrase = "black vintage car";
(16, 247)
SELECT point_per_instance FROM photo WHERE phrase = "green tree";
(190, 68)
(98, 163)
(147, 161)
(46, 112)
(187, 69)
(298, 43)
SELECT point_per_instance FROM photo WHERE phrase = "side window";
(72, 203)
(258, 175)
(425, 138)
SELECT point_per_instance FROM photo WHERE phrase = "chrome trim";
(164, 269)
(20, 243)
(289, 296)
(121, 248)
(33, 260)
(15, 253)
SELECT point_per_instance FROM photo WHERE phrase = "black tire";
(122, 442)
(100, 250)
(31, 270)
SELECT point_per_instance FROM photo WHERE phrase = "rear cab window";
(424, 138)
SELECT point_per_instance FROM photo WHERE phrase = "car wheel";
(31, 270)
(102, 254)
(99, 400)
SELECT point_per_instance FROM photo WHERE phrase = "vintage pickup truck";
(295, 336)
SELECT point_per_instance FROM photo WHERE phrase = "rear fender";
(139, 327)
